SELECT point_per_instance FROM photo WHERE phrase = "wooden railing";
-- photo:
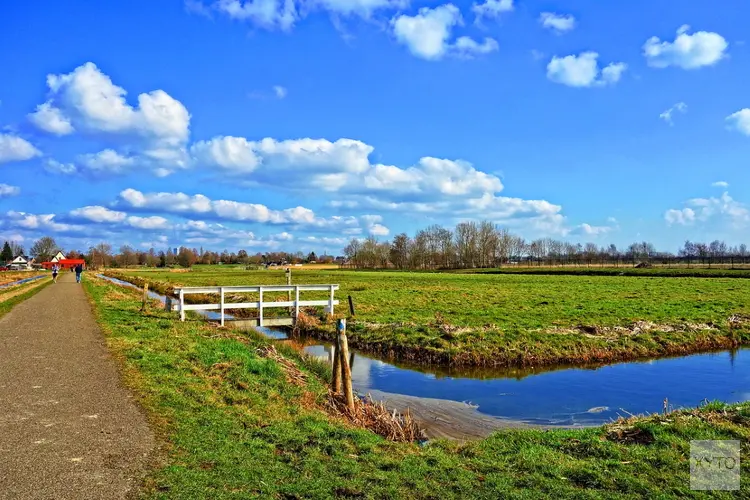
(222, 306)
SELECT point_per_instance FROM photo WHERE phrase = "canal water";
(556, 395)
(21, 282)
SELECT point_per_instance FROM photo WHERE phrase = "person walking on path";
(79, 270)
(55, 270)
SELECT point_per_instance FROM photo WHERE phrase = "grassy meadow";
(232, 424)
(513, 319)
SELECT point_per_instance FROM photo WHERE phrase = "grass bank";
(515, 319)
(233, 426)
(17, 294)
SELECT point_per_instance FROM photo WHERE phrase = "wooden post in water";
(145, 297)
(346, 370)
(336, 378)
(168, 303)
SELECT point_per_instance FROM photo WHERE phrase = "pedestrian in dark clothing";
(79, 270)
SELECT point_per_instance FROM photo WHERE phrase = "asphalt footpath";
(68, 427)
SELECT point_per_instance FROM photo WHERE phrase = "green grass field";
(231, 425)
(516, 319)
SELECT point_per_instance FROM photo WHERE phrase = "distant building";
(21, 263)
(58, 257)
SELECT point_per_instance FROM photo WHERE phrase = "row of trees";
(482, 244)
(103, 255)
(468, 245)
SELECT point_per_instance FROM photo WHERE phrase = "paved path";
(68, 428)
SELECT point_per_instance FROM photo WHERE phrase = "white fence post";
(260, 307)
(330, 301)
(296, 302)
(182, 304)
(221, 291)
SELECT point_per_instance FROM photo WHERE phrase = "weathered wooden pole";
(346, 370)
(336, 378)
(145, 297)
(351, 306)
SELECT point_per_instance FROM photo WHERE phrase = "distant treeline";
(478, 245)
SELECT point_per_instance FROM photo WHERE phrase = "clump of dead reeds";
(374, 416)
(305, 322)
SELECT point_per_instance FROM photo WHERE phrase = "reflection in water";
(558, 395)
(565, 395)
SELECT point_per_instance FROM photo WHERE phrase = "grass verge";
(233, 426)
(12, 296)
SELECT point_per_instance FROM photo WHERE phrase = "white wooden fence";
(222, 306)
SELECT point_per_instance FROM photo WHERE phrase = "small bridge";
(260, 304)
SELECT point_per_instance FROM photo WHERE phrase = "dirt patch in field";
(636, 328)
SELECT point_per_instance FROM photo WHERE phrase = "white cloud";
(51, 119)
(720, 184)
(687, 51)
(583, 71)
(14, 148)
(428, 34)
(182, 203)
(106, 161)
(238, 155)
(87, 100)
(55, 167)
(589, 230)
(39, 222)
(98, 214)
(558, 23)
(683, 217)
(148, 223)
(7, 190)
(739, 121)
(378, 230)
(280, 91)
(283, 14)
(680, 107)
(707, 209)
(492, 9)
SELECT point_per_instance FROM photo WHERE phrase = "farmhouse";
(22, 262)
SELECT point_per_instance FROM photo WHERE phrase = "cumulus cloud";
(680, 107)
(683, 217)
(106, 161)
(428, 34)
(55, 167)
(87, 100)
(739, 121)
(6, 190)
(181, 203)
(51, 119)
(38, 222)
(589, 230)
(720, 184)
(583, 71)
(283, 14)
(492, 9)
(98, 214)
(14, 148)
(558, 23)
(687, 51)
(723, 207)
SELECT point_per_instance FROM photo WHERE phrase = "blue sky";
(287, 125)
